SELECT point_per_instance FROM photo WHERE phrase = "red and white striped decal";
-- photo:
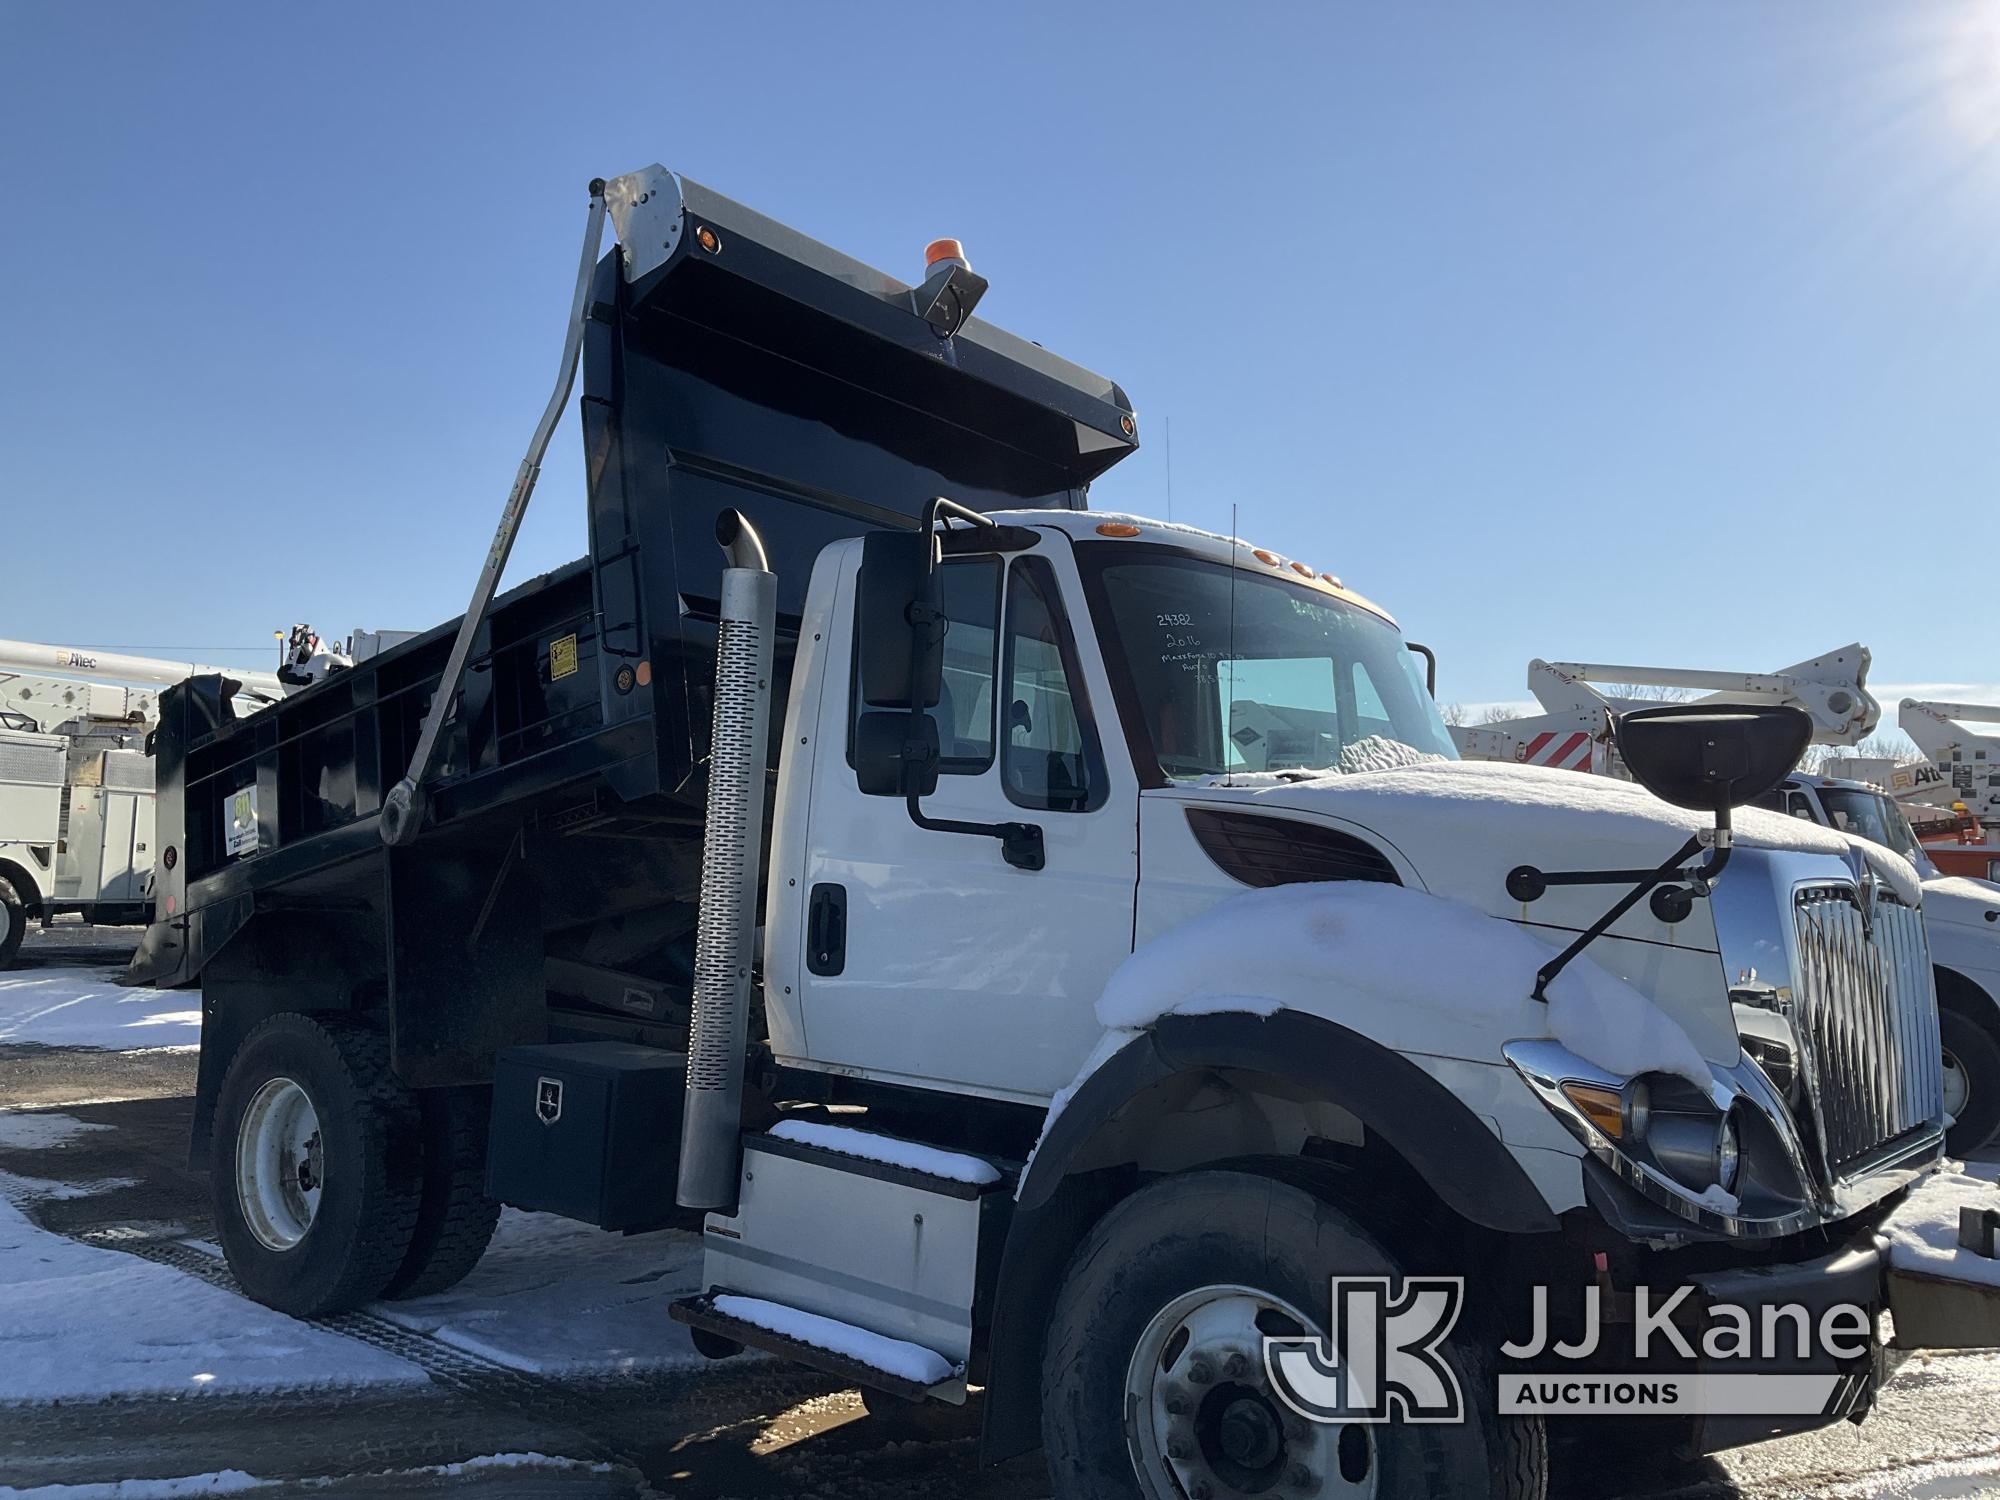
(1566, 752)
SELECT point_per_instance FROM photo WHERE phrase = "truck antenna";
(1167, 431)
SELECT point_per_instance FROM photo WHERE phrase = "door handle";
(826, 929)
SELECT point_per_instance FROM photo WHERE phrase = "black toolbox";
(590, 1131)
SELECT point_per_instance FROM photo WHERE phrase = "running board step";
(821, 1343)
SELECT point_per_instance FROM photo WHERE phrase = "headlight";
(1699, 1151)
(1728, 1154)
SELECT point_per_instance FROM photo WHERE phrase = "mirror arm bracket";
(1020, 843)
(1526, 877)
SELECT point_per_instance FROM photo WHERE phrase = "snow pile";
(82, 1008)
(868, 1146)
(77, 1322)
(1379, 753)
(39, 1130)
(1890, 867)
(1964, 888)
(554, 1297)
(223, 1482)
(896, 1357)
(1391, 946)
(1923, 1231)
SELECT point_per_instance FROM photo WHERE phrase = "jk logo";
(1382, 1360)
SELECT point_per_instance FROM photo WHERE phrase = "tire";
(1974, 1051)
(455, 1219)
(317, 1165)
(13, 922)
(1260, 1243)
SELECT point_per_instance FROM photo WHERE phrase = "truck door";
(927, 958)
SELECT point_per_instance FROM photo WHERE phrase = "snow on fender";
(1352, 951)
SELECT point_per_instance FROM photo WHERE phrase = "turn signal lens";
(1604, 1108)
(1116, 528)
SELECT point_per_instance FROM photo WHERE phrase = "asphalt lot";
(737, 1429)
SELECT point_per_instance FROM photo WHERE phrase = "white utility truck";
(1961, 742)
(76, 787)
(1037, 949)
(1573, 731)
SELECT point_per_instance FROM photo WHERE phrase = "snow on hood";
(1961, 900)
(1388, 946)
(1465, 824)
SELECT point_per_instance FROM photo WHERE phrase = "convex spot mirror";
(1710, 758)
(898, 620)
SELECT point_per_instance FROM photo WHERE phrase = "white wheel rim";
(1957, 1087)
(280, 1164)
(1199, 1407)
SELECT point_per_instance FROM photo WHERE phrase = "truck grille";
(1869, 1016)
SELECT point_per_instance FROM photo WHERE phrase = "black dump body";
(552, 892)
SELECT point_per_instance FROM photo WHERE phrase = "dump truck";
(1052, 957)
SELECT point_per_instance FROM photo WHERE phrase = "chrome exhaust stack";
(732, 847)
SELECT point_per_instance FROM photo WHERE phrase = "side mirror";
(1711, 758)
(887, 763)
(899, 621)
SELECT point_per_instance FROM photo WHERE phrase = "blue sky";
(1619, 332)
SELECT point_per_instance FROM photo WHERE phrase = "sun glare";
(1972, 74)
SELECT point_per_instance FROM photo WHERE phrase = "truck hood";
(1462, 825)
(1960, 902)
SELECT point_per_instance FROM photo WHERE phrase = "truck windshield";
(1263, 675)
(1873, 816)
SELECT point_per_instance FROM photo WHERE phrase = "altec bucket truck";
(1966, 841)
(76, 788)
(1573, 731)
(766, 872)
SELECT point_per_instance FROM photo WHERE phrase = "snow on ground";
(236, 1481)
(1923, 1231)
(40, 1130)
(553, 1297)
(82, 1008)
(1397, 946)
(77, 1322)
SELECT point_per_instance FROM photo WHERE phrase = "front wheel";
(13, 921)
(1971, 1081)
(1155, 1384)
(317, 1165)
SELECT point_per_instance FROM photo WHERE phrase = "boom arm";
(68, 663)
(1574, 730)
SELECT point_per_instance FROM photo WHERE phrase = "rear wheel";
(316, 1178)
(13, 921)
(1971, 1081)
(1155, 1382)
(455, 1220)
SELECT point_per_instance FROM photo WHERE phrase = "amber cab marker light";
(1116, 528)
(1302, 570)
(1604, 1108)
(1268, 559)
(1329, 578)
(708, 239)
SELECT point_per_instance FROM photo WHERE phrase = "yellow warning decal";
(562, 658)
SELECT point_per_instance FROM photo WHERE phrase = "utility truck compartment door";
(588, 1130)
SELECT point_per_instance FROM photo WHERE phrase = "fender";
(1457, 1156)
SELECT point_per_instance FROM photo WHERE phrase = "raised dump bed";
(729, 362)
